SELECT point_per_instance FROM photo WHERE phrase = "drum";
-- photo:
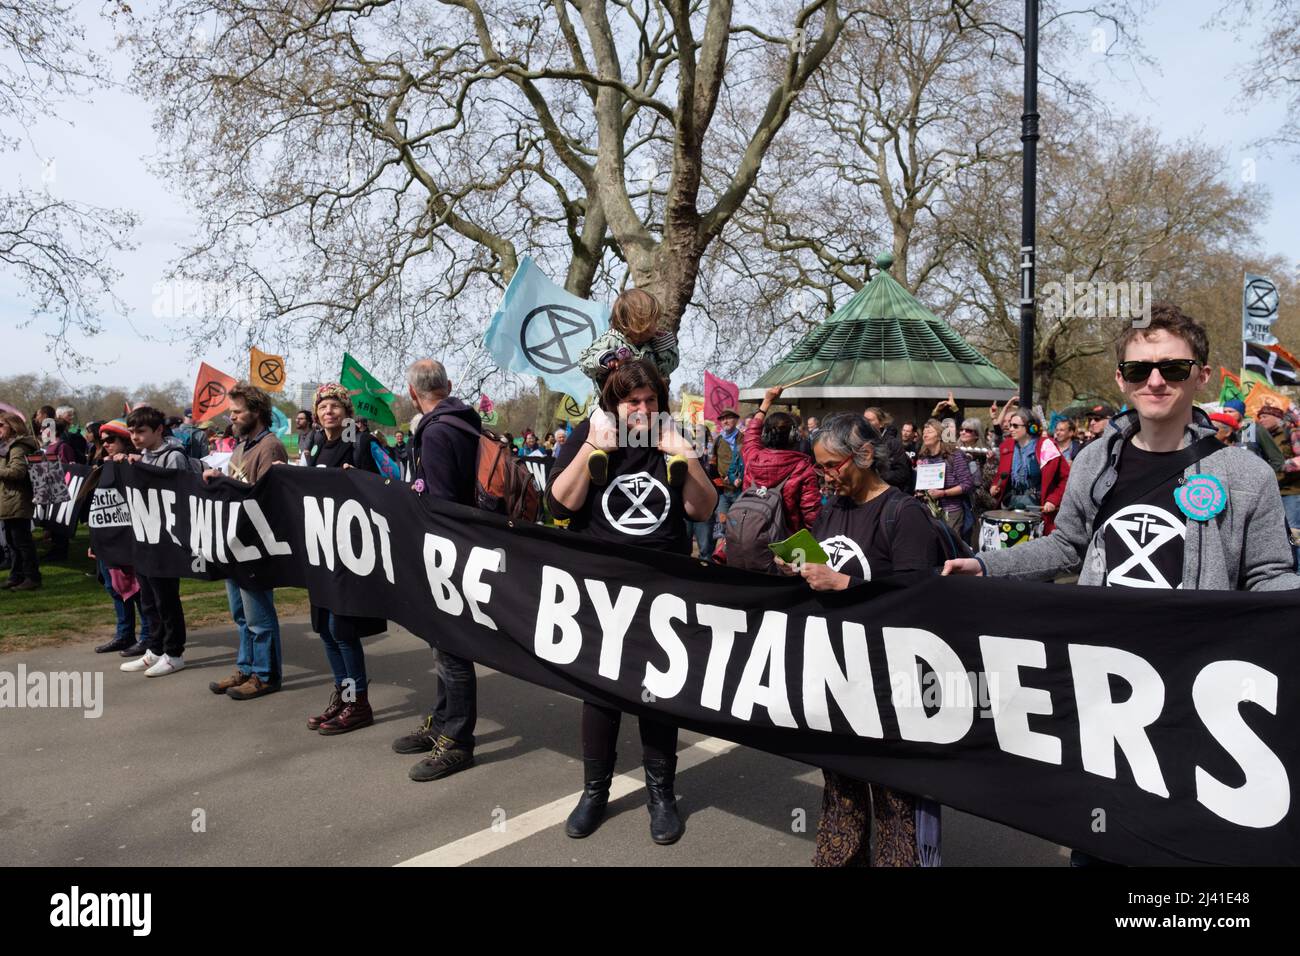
(1004, 529)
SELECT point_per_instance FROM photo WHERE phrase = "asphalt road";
(171, 774)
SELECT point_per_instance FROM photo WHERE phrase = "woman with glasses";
(869, 530)
(646, 488)
(1031, 471)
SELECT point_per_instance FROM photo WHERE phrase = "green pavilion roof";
(882, 343)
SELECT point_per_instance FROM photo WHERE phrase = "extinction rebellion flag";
(1130, 724)
(541, 330)
(1270, 363)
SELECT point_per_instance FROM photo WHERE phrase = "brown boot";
(330, 712)
(253, 687)
(223, 685)
(353, 716)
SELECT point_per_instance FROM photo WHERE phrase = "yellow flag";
(575, 412)
(692, 408)
(266, 371)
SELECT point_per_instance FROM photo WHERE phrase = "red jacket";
(770, 466)
(1055, 470)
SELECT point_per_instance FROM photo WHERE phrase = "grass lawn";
(71, 604)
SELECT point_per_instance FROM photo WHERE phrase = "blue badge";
(1201, 497)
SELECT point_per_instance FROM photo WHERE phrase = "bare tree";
(59, 251)
(400, 158)
(1275, 70)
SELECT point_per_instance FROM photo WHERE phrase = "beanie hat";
(115, 426)
(335, 391)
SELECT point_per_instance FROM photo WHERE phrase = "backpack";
(755, 520)
(193, 440)
(950, 543)
(502, 483)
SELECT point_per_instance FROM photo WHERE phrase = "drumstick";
(804, 379)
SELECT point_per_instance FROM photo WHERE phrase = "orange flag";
(211, 390)
(265, 370)
(1261, 395)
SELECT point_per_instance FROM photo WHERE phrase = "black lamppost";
(1029, 205)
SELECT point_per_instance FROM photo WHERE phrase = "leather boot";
(665, 824)
(597, 774)
(353, 716)
(330, 712)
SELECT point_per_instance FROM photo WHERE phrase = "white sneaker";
(141, 663)
(165, 665)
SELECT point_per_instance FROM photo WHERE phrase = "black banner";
(1139, 726)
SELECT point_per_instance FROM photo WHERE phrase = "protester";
(68, 416)
(725, 451)
(1031, 471)
(701, 532)
(258, 665)
(769, 456)
(1278, 425)
(870, 530)
(445, 447)
(561, 436)
(1099, 417)
(401, 450)
(328, 447)
(954, 498)
(633, 402)
(1122, 523)
(910, 440)
(895, 466)
(43, 427)
(62, 451)
(811, 426)
(122, 584)
(635, 333)
(1064, 436)
(16, 504)
(193, 436)
(303, 424)
(160, 598)
(530, 447)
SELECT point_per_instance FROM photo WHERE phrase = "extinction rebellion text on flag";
(1141, 727)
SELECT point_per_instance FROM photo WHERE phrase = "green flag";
(374, 407)
(1231, 388)
(356, 379)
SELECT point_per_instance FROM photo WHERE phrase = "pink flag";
(719, 394)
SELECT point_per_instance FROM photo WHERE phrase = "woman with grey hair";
(870, 529)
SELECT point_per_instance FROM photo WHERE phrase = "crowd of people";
(879, 497)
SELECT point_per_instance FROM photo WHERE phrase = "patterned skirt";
(844, 831)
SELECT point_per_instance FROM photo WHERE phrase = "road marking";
(480, 844)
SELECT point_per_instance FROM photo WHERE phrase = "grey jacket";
(1243, 548)
(170, 453)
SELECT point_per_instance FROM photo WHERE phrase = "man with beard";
(258, 666)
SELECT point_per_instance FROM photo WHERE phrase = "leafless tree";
(57, 250)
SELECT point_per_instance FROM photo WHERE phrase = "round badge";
(1201, 497)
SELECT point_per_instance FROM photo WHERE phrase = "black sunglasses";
(1171, 370)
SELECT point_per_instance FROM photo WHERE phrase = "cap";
(1102, 410)
(728, 413)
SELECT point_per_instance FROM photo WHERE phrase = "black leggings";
(25, 567)
(600, 735)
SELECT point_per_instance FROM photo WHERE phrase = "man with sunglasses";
(1157, 501)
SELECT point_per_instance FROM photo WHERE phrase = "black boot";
(665, 825)
(597, 774)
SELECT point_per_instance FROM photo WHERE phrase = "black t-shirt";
(1145, 535)
(636, 505)
(337, 453)
(856, 541)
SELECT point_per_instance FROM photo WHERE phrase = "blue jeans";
(125, 610)
(259, 631)
(702, 531)
(343, 650)
(725, 501)
(1291, 507)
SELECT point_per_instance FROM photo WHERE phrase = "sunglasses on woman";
(1171, 370)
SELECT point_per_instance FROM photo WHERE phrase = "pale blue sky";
(101, 149)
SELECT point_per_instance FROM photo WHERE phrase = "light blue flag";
(279, 422)
(541, 330)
